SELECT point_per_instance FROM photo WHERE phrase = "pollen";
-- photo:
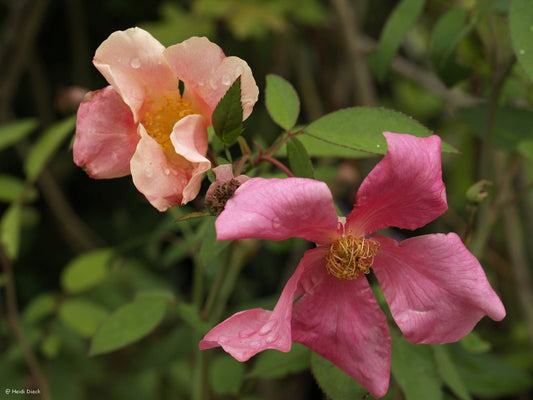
(222, 194)
(348, 257)
(161, 115)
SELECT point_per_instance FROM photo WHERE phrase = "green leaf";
(86, 270)
(282, 101)
(333, 381)
(448, 372)
(414, 368)
(47, 144)
(12, 189)
(128, 324)
(226, 375)
(473, 343)
(82, 316)
(40, 307)
(486, 375)
(12, 132)
(190, 314)
(511, 125)
(272, 364)
(521, 26)
(299, 159)
(361, 128)
(161, 294)
(10, 230)
(402, 18)
(210, 247)
(448, 32)
(227, 116)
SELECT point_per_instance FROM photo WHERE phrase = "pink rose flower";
(436, 289)
(141, 124)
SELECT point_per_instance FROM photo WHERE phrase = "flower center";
(161, 115)
(348, 257)
(222, 194)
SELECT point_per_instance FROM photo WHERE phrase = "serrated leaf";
(226, 375)
(86, 270)
(448, 372)
(334, 382)
(227, 116)
(521, 26)
(413, 366)
(272, 364)
(361, 128)
(402, 18)
(281, 101)
(10, 230)
(12, 132)
(47, 144)
(128, 324)
(299, 159)
(82, 316)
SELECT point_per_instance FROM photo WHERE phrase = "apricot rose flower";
(142, 124)
(436, 289)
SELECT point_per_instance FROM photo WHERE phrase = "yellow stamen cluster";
(348, 257)
(161, 115)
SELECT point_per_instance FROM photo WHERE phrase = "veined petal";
(249, 332)
(208, 74)
(189, 138)
(404, 190)
(436, 289)
(132, 61)
(342, 322)
(106, 135)
(277, 209)
(161, 180)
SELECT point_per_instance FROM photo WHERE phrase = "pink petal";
(106, 135)
(208, 74)
(166, 182)
(132, 61)
(249, 332)
(277, 209)
(342, 322)
(189, 138)
(436, 289)
(404, 190)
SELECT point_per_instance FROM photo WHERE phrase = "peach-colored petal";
(106, 136)
(132, 61)
(208, 74)
(223, 173)
(189, 138)
(162, 182)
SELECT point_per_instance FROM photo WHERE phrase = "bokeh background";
(475, 96)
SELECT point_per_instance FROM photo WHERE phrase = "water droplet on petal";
(271, 338)
(223, 340)
(166, 171)
(226, 80)
(149, 171)
(135, 63)
(246, 333)
(275, 223)
(201, 82)
(267, 328)
(213, 84)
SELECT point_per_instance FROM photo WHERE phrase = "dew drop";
(226, 80)
(378, 145)
(246, 333)
(223, 340)
(135, 63)
(213, 84)
(271, 338)
(166, 171)
(522, 52)
(149, 171)
(267, 328)
(201, 82)
(275, 225)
